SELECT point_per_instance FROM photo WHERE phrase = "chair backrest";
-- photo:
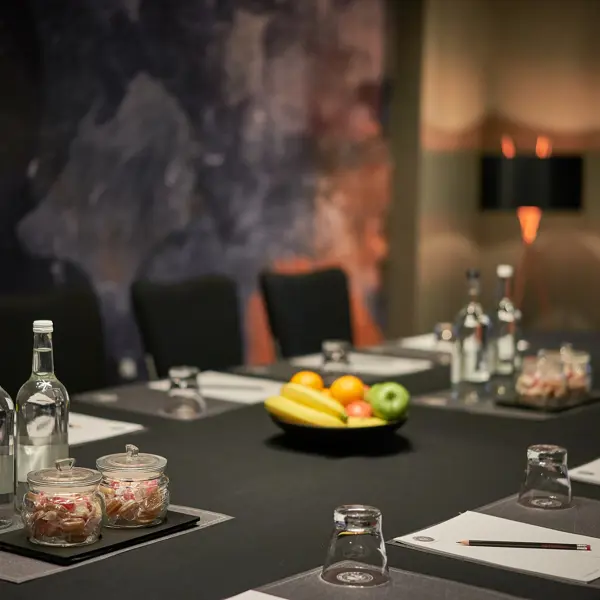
(195, 322)
(305, 310)
(79, 348)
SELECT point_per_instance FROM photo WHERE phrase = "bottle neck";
(473, 290)
(505, 287)
(43, 355)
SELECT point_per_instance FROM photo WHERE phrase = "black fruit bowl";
(342, 435)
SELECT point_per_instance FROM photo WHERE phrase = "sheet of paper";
(368, 364)
(230, 387)
(587, 473)
(252, 595)
(84, 428)
(427, 341)
(567, 564)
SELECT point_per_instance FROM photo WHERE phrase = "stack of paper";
(84, 428)
(588, 473)
(230, 387)
(567, 564)
(367, 364)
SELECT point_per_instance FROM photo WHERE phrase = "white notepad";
(368, 364)
(84, 428)
(587, 473)
(427, 341)
(568, 564)
(253, 595)
(228, 386)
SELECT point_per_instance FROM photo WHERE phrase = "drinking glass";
(185, 399)
(335, 353)
(444, 332)
(547, 484)
(356, 556)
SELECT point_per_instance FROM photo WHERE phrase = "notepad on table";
(367, 364)
(228, 386)
(587, 473)
(443, 538)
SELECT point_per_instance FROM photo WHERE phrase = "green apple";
(389, 400)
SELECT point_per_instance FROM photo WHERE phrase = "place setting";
(188, 394)
(544, 530)
(356, 566)
(72, 515)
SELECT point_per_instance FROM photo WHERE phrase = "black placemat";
(403, 586)
(423, 382)
(141, 399)
(495, 408)
(111, 540)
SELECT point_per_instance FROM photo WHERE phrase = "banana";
(365, 422)
(294, 412)
(313, 399)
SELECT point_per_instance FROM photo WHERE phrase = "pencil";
(535, 545)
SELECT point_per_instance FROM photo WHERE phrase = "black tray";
(111, 540)
(594, 396)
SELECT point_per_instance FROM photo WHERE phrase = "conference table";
(281, 498)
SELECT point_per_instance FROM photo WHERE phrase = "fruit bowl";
(345, 435)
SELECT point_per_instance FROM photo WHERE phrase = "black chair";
(195, 323)
(79, 349)
(304, 310)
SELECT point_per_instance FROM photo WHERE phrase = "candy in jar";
(62, 506)
(134, 487)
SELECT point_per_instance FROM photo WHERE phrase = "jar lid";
(131, 460)
(65, 474)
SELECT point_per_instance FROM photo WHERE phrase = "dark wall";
(165, 140)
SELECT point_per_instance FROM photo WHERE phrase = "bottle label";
(506, 347)
(474, 367)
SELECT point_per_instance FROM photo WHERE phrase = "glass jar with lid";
(135, 488)
(542, 382)
(62, 506)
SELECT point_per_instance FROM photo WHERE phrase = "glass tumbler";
(335, 353)
(356, 556)
(547, 484)
(185, 401)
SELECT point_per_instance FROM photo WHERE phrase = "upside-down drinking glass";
(356, 555)
(336, 353)
(185, 401)
(547, 484)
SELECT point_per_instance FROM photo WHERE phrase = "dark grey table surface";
(282, 497)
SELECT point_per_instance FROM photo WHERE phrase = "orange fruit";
(309, 379)
(326, 391)
(347, 389)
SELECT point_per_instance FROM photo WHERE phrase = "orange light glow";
(543, 147)
(529, 218)
(508, 147)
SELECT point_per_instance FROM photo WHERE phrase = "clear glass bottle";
(470, 365)
(7, 459)
(42, 413)
(506, 325)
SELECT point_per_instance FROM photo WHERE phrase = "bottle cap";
(504, 270)
(43, 327)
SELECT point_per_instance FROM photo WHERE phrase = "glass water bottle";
(7, 459)
(506, 321)
(42, 413)
(470, 365)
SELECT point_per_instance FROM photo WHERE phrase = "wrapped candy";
(134, 487)
(63, 506)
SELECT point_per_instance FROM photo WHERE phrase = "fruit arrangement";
(348, 402)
